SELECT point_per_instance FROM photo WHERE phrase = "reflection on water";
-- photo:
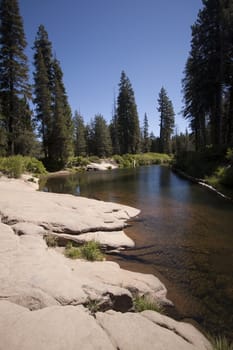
(184, 235)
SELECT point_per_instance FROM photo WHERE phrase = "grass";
(142, 303)
(15, 166)
(221, 343)
(51, 240)
(89, 251)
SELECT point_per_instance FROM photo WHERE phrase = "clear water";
(184, 235)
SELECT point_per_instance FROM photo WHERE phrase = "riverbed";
(184, 235)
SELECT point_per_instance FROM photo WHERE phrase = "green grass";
(142, 303)
(89, 251)
(221, 343)
(15, 166)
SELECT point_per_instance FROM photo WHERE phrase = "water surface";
(184, 235)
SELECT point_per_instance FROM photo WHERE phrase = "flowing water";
(184, 235)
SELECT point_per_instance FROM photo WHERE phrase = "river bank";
(34, 277)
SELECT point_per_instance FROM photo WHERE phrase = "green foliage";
(199, 164)
(77, 162)
(221, 343)
(89, 251)
(15, 166)
(93, 306)
(132, 160)
(229, 155)
(94, 159)
(142, 303)
(51, 240)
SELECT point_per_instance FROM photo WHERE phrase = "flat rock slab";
(53, 328)
(113, 239)
(74, 328)
(35, 276)
(132, 331)
(60, 213)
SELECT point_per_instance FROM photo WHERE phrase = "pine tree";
(102, 139)
(52, 107)
(166, 121)
(62, 128)
(145, 139)
(114, 131)
(14, 85)
(208, 84)
(80, 143)
(127, 118)
(43, 88)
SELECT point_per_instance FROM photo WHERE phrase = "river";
(184, 235)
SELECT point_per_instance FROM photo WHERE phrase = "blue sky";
(96, 39)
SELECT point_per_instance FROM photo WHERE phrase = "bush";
(132, 160)
(142, 303)
(15, 166)
(77, 162)
(89, 251)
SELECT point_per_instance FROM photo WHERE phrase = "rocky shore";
(47, 300)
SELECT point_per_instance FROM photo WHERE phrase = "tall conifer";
(127, 117)
(14, 85)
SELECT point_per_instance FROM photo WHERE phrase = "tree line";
(61, 134)
(208, 76)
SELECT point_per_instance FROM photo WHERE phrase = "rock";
(72, 327)
(53, 328)
(141, 331)
(35, 276)
(26, 228)
(101, 166)
(113, 239)
(60, 213)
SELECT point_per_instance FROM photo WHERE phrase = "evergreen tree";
(52, 107)
(127, 118)
(14, 84)
(114, 131)
(102, 139)
(145, 139)
(80, 143)
(43, 88)
(166, 121)
(62, 128)
(208, 84)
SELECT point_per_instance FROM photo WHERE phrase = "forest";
(37, 120)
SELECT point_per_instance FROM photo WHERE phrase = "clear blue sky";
(96, 39)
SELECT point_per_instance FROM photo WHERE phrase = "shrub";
(15, 166)
(77, 162)
(142, 303)
(89, 251)
(131, 160)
